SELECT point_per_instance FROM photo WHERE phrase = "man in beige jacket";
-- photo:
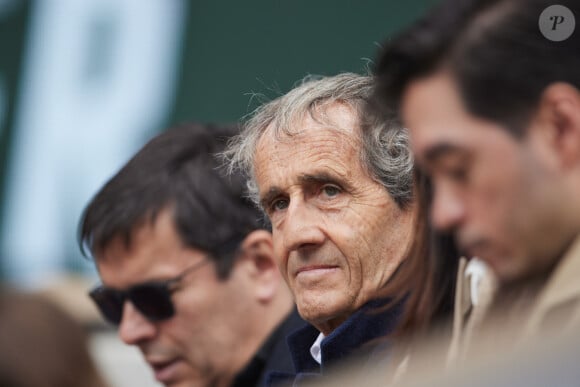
(490, 91)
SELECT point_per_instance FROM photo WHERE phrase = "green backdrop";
(233, 49)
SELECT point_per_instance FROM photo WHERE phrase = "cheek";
(345, 232)
(182, 332)
(500, 179)
(363, 221)
(188, 323)
(198, 304)
(506, 195)
(361, 239)
(199, 319)
(380, 231)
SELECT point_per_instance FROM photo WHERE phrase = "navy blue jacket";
(355, 337)
(273, 356)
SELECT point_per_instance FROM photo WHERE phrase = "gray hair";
(385, 152)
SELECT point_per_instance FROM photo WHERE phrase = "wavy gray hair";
(385, 152)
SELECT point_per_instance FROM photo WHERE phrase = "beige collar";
(558, 304)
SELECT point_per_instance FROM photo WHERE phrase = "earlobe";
(560, 119)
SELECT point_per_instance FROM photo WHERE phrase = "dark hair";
(41, 345)
(427, 278)
(493, 49)
(177, 170)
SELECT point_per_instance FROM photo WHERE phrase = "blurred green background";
(83, 84)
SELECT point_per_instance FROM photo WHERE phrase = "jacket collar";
(560, 297)
(364, 326)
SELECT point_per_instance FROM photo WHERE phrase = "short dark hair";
(176, 170)
(493, 49)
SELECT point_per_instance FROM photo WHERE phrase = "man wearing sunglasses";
(187, 267)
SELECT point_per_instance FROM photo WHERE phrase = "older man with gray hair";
(337, 187)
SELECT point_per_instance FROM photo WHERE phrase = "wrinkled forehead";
(312, 147)
(327, 115)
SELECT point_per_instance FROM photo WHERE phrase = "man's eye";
(331, 190)
(279, 205)
(457, 174)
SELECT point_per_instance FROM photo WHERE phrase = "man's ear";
(258, 254)
(558, 123)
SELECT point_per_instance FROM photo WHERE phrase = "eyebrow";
(435, 152)
(320, 178)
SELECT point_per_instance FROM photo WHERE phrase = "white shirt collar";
(477, 270)
(315, 349)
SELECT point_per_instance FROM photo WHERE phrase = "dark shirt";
(356, 337)
(273, 356)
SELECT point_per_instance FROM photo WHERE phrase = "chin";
(188, 383)
(329, 315)
(310, 313)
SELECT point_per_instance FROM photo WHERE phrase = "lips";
(165, 371)
(314, 268)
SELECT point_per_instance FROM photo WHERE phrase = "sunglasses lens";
(110, 304)
(153, 300)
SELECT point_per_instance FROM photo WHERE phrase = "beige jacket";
(555, 309)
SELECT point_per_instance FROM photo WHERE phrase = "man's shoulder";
(291, 326)
(279, 357)
(273, 357)
(558, 305)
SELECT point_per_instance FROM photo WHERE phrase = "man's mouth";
(165, 371)
(314, 269)
(470, 246)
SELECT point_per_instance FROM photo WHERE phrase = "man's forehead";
(330, 142)
(315, 154)
(315, 148)
(334, 115)
(313, 145)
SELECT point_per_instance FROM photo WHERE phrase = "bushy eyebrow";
(436, 152)
(320, 178)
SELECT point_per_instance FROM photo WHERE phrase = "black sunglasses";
(152, 299)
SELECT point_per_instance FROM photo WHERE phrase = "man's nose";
(134, 327)
(447, 209)
(302, 226)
